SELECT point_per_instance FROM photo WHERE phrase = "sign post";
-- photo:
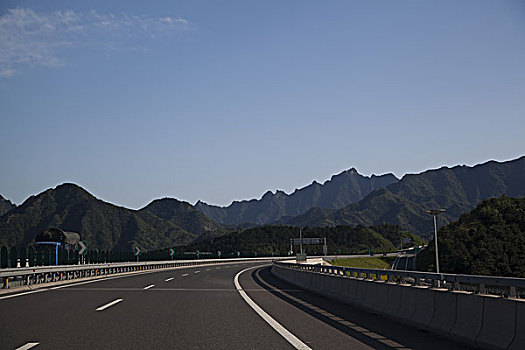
(137, 252)
(82, 250)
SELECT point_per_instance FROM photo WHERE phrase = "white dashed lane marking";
(104, 307)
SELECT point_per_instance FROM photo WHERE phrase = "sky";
(224, 100)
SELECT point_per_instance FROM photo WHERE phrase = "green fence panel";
(13, 257)
(31, 256)
(23, 257)
(3, 257)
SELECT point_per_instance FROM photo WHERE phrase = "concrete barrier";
(407, 308)
(393, 304)
(469, 316)
(445, 309)
(360, 289)
(499, 323)
(518, 343)
(381, 299)
(370, 289)
(481, 321)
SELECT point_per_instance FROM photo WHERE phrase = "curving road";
(196, 308)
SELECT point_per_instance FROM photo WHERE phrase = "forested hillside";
(490, 240)
(104, 226)
(275, 239)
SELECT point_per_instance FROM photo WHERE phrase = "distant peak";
(267, 194)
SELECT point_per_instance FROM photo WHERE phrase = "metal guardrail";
(44, 274)
(506, 286)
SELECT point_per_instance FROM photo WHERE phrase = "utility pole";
(434, 213)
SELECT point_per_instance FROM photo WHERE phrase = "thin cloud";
(31, 39)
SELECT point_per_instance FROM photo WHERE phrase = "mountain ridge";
(5, 205)
(457, 189)
(103, 225)
(340, 190)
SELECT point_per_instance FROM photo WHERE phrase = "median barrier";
(424, 307)
(499, 322)
(519, 338)
(361, 291)
(469, 316)
(370, 289)
(394, 299)
(444, 317)
(407, 308)
(351, 290)
(481, 321)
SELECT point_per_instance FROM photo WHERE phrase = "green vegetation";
(184, 215)
(364, 262)
(490, 240)
(104, 226)
(275, 239)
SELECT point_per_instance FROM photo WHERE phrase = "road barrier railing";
(45, 274)
(504, 286)
(481, 311)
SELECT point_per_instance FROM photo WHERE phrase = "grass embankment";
(365, 263)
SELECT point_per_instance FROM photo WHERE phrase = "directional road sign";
(172, 252)
(238, 254)
(82, 247)
(297, 241)
(136, 251)
(219, 253)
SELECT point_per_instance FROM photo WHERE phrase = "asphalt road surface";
(196, 308)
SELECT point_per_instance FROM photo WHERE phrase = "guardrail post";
(482, 288)
(512, 292)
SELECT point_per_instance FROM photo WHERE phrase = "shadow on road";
(371, 329)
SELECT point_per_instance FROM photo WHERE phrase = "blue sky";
(224, 100)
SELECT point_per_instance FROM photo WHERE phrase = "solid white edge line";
(286, 334)
(168, 279)
(27, 346)
(20, 294)
(150, 286)
(103, 307)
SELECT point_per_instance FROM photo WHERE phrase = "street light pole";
(301, 240)
(434, 213)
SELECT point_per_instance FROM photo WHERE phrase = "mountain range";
(349, 199)
(163, 223)
(338, 192)
(5, 205)
(457, 190)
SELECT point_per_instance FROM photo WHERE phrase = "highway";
(196, 307)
